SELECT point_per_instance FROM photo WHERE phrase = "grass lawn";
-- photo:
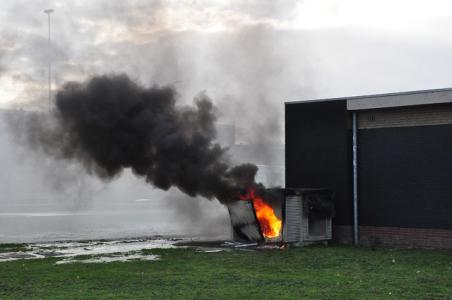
(316, 272)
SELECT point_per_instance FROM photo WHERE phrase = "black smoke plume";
(110, 123)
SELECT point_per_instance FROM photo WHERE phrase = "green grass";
(315, 272)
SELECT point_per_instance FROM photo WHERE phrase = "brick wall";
(395, 237)
(438, 114)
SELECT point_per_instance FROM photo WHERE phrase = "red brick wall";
(395, 237)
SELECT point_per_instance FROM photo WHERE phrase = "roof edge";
(449, 89)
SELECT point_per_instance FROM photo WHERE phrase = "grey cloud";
(2, 68)
(276, 9)
(7, 43)
(248, 72)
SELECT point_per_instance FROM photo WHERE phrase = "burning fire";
(268, 221)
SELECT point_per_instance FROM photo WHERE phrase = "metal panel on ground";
(244, 222)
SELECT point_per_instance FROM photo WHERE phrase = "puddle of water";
(211, 250)
(107, 259)
(116, 250)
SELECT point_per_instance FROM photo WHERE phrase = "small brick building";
(388, 160)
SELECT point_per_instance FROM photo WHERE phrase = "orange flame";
(269, 223)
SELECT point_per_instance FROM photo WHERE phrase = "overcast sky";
(249, 56)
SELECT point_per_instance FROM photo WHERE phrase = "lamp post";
(48, 12)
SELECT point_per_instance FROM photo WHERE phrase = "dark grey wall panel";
(406, 176)
(318, 151)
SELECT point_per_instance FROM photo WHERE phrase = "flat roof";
(418, 97)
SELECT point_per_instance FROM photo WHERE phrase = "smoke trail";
(110, 123)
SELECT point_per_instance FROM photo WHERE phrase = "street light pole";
(48, 12)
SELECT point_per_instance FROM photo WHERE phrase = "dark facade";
(404, 166)
(406, 176)
(318, 152)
